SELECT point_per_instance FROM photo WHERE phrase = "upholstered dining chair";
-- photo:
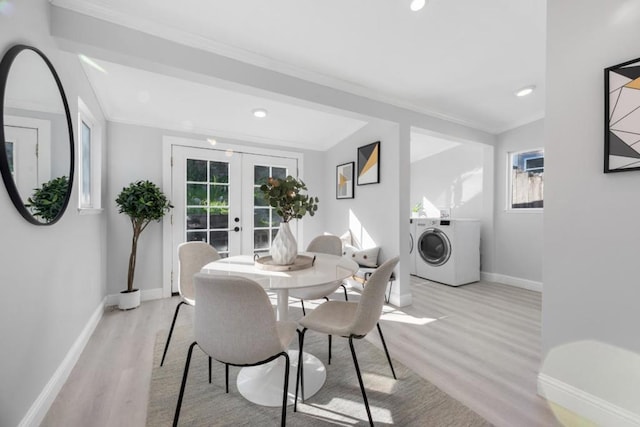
(192, 256)
(352, 320)
(326, 244)
(235, 324)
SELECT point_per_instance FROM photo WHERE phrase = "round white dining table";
(263, 384)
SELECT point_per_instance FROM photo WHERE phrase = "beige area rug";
(407, 401)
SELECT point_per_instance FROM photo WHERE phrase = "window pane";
(261, 217)
(196, 194)
(196, 170)
(86, 165)
(280, 173)
(261, 173)
(196, 236)
(258, 198)
(219, 218)
(219, 240)
(219, 172)
(261, 239)
(196, 218)
(219, 195)
(527, 180)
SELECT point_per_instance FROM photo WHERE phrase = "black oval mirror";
(37, 158)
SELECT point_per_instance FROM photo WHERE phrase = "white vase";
(284, 248)
(129, 300)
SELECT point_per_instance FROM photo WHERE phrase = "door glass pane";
(280, 173)
(219, 218)
(196, 236)
(261, 173)
(261, 218)
(196, 218)
(196, 194)
(196, 170)
(219, 240)
(219, 195)
(258, 198)
(219, 172)
(261, 239)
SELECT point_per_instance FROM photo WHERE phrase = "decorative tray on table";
(301, 262)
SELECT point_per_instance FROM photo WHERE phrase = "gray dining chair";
(325, 244)
(352, 320)
(192, 256)
(235, 324)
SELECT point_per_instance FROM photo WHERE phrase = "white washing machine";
(412, 248)
(448, 251)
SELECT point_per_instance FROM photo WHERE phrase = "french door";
(217, 199)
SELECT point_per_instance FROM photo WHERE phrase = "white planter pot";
(129, 300)
(284, 248)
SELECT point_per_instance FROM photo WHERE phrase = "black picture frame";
(622, 117)
(344, 180)
(369, 164)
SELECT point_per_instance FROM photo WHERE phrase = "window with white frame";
(89, 155)
(525, 176)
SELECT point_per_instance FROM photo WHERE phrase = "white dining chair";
(352, 320)
(235, 324)
(325, 244)
(192, 256)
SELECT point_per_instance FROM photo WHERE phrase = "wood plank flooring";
(479, 343)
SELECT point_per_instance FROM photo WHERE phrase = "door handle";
(236, 229)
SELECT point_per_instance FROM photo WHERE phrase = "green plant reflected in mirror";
(37, 162)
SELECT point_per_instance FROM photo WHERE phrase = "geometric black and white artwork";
(622, 117)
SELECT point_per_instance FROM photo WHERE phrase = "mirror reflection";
(38, 144)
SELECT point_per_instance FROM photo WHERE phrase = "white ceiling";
(458, 59)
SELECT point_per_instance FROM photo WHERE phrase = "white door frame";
(167, 143)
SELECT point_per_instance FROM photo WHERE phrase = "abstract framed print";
(369, 164)
(622, 117)
(344, 180)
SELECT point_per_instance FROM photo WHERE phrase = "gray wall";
(518, 235)
(136, 153)
(591, 228)
(53, 277)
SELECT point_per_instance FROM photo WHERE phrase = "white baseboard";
(512, 281)
(145, 295)
(39, 408)
(584, 404)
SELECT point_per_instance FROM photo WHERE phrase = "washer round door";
(434, 247)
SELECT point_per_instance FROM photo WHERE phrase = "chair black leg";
(166, 346)
(285, 393)
(329, 350)
(346, 296)
(326, 298)
(299, 376)
(226, 376)
(304, 313)
(364, 393)
(183, 385)
(386, 351)
(209, 370)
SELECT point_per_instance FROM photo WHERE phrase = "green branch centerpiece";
(142, 202)
(289, 199)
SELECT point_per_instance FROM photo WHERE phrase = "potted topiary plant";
(142, 202)
(288, 197)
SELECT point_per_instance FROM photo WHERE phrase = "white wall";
(591, 230)
(374, 214)
(518, 235)
(135, 153)
(53, 277)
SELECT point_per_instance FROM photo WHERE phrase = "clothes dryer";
(448, 251)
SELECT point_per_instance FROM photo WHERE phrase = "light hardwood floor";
(479, 343)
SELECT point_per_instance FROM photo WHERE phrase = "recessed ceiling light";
(416, 5)
(212, 141)
(525, 91)
(260, 113)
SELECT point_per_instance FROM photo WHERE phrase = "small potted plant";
(289, 199)
(47, 201)
(142, 202)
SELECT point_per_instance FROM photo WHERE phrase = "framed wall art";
(344, 180)
(369, 164)
(622, 117)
